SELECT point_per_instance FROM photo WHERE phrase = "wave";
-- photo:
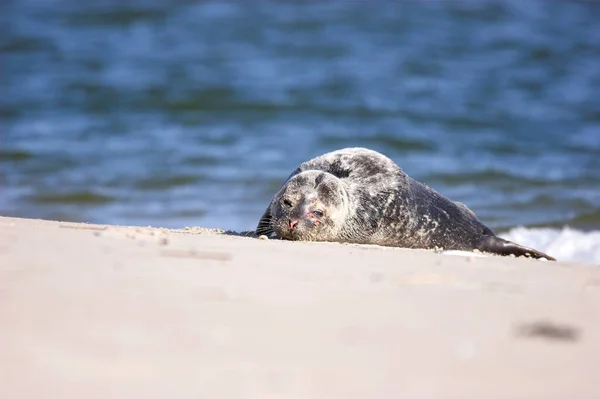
(565, 244)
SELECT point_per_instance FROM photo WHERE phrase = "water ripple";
(193, 113)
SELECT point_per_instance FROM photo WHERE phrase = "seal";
(357, 195)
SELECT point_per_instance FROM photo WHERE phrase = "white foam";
(566, 244)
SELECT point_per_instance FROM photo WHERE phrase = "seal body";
(357, 195)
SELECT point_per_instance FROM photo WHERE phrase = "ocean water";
(192, 113)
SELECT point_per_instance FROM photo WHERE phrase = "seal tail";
(500, 246)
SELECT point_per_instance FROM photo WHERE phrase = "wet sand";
(90, 311)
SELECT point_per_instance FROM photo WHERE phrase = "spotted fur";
(365, 198)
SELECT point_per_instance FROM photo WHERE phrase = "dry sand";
(91, 311)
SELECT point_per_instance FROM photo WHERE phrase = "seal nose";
(293, 223)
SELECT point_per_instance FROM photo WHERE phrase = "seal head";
(309, 206)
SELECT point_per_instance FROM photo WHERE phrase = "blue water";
(192, 113)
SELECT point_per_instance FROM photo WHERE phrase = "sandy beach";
(92, 311)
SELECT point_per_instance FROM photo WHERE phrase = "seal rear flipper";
(500, 246)
(264, 224)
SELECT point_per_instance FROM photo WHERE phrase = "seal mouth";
(291, 234)
(298, 229)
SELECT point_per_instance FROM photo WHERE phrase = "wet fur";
(367, 199)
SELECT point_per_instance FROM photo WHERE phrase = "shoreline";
(119, 311)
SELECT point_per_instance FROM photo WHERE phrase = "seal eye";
(287, 203)
(318, 214)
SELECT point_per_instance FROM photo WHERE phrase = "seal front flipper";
(264, 224)
(500, 246)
